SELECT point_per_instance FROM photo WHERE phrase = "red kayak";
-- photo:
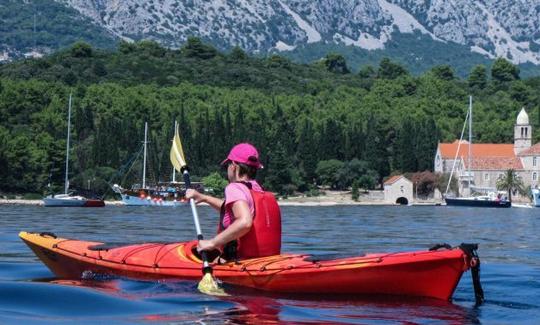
(433, 273)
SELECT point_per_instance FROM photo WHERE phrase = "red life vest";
(264, 237)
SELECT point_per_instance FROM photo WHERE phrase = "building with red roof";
(489, 161)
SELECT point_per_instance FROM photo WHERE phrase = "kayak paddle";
(208, 284)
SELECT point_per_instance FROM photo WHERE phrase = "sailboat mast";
(470, 144)
(144, 159)
(173, 169)
(66, 180)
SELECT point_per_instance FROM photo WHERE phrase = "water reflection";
(246, 306)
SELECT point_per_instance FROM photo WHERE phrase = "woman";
(250, 219)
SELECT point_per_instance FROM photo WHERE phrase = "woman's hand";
(193, 194)
(206, 245)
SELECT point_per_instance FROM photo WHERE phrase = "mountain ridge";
(473, 31)
(505, 28)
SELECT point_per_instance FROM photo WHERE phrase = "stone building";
(398, 189)
(489, 161)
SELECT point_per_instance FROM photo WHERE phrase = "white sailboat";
(492, 200)
(67, 199)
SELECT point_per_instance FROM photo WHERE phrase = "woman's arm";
(243, 220)
(214, 202)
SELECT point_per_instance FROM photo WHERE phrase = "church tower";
(522, 132)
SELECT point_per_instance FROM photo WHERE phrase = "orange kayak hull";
(433, 274)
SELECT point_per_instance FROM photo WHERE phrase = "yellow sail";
(178, 159)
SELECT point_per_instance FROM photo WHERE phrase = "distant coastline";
(330, 198)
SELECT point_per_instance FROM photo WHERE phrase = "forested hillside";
(316, 123)
(46, 26)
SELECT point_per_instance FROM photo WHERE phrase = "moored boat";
(167, 194)
(491, 200)
(432, 273)
(67, 199)
(536, 196)
(483, 201)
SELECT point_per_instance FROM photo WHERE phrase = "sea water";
(509, 251)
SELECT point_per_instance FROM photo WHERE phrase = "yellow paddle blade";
(209, 286)
(177, 157)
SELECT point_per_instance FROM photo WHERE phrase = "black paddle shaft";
(206, 266)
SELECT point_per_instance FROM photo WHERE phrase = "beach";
(329, 198)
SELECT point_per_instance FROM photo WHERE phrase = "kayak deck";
(422, 273)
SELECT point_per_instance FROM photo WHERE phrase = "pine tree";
(376, 153)
(405, 146)
(307, 152)
(478, 77)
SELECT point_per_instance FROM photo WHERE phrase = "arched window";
(534, 161)
(526, 131)
(522, 132)
(535, 176)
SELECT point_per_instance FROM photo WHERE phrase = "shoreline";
(325, 200)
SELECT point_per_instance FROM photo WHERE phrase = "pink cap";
(244, 153)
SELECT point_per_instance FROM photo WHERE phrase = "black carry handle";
(471, 251)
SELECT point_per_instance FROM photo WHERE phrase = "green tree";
(195, 48)
(81, 50)
(368, 181)
(504, 71)
(281, 176)
(215, 183)
(376, 148)
(426, 140)
(443, 72)
(336, 63)
(390, 70)
(355, 193)
(511, 182)
(237, 54)
(307, 151)
(405, 146)
(328, 172)
(367, 71)
(478, 77)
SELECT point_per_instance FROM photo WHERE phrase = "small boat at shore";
(68, 199)
(536, 196)
(491, 200)
(484, 201)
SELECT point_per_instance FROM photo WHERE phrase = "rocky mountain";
(493, 28)
(484, 29)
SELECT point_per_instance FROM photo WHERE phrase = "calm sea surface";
(509, 250)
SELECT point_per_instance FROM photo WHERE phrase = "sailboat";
(169, 194)
(67, 199)
(491, 200)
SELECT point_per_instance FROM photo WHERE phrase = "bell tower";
(522, 132)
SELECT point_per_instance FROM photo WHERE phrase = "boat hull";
(536, 197)
(131, 200)
(433, 274)
(477, 203)
(63, 202)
